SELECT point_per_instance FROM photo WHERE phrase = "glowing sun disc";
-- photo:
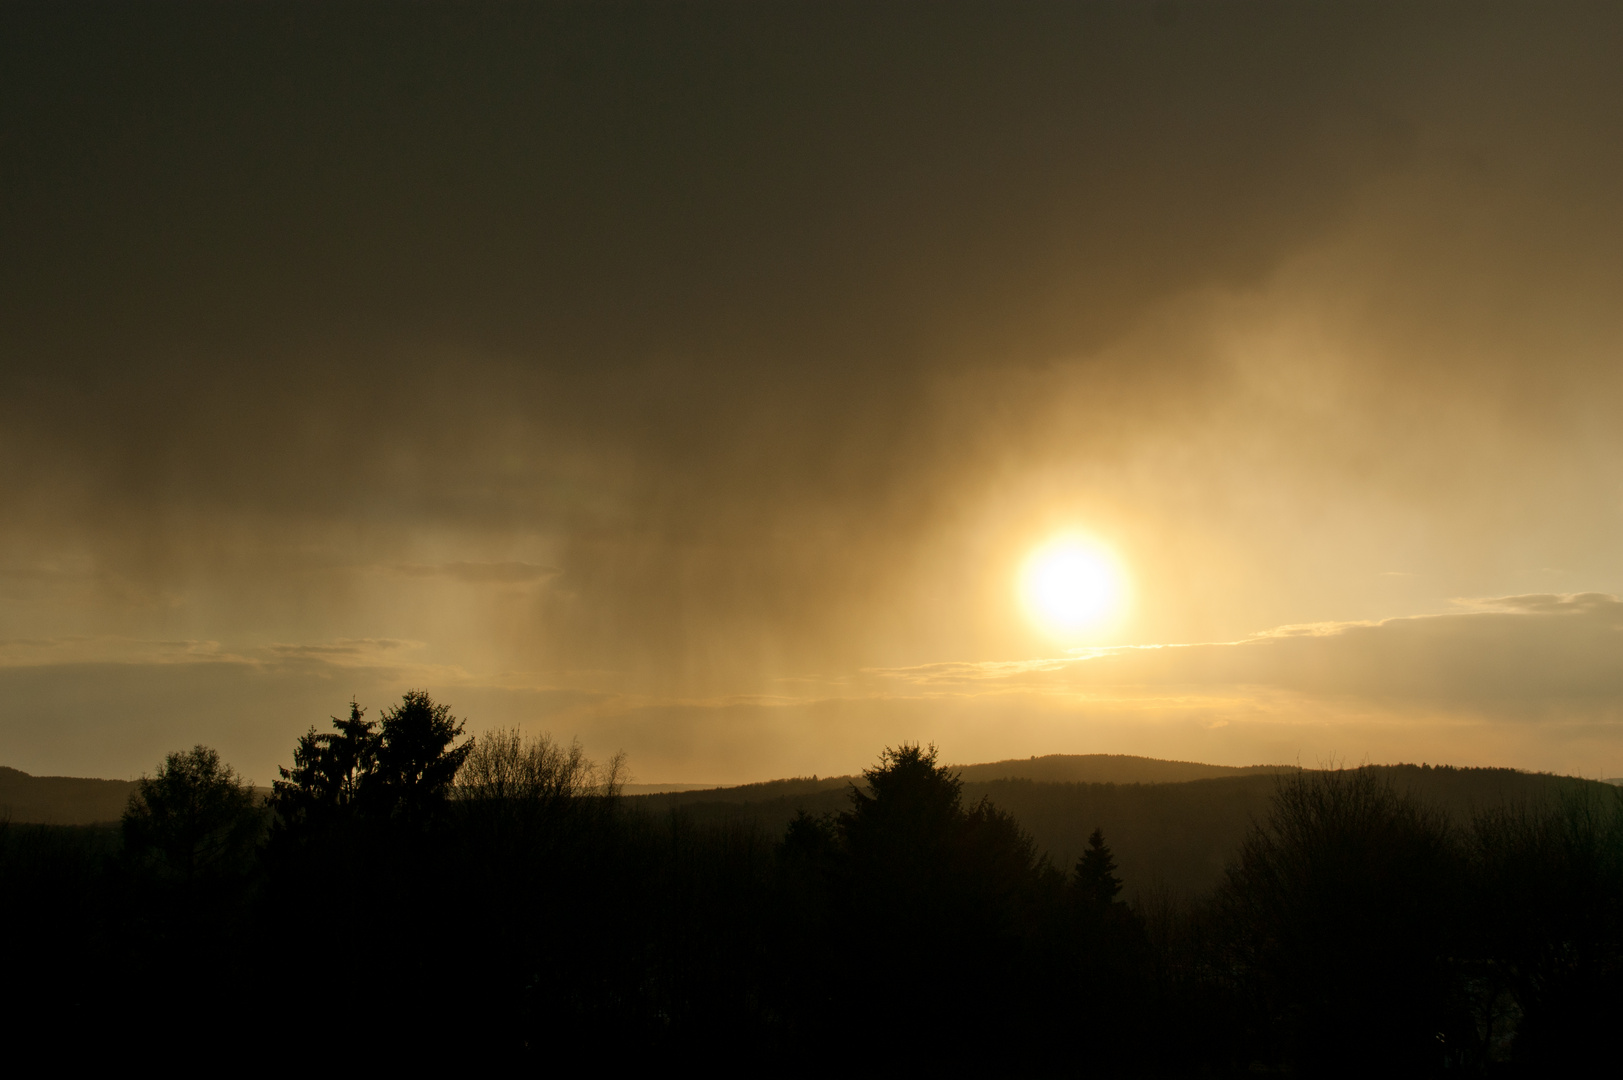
(1070, 586)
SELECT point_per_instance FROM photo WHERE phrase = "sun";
(1071, 585)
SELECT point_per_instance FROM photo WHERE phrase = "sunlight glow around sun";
(1072, 585)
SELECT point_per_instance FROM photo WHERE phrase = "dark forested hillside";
(61, 800)
(1173, 824)
(1170, 835)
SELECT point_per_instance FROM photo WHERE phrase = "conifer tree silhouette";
(331, 772)
(402, 767)
(416, 761)
(1095, 875)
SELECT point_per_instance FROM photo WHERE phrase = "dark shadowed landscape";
(1190, 919)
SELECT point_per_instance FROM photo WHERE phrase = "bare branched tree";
(503, 765)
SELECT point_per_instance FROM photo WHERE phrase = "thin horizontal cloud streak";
(377, 653)
(345, 651)
(41, 652)
(1520, 657)
(480, 573)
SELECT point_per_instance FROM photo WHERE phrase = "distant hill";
(1106, 769)
(1172, 824)
(660, 789)
(1167, 835)
(766, 791)
(1050, 768)
(61, 800)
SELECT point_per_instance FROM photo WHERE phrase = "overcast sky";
(695, 378)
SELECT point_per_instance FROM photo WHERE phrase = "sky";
(699, 379)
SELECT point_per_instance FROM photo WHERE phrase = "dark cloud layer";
(707, 344)
(321, 250)
(510, 176)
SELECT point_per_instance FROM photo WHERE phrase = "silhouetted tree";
(195, 817)
(416, 763)
(402, 768)
(925, 890)
(331, 772)
(809, 844)
(501, 765)
(1345, 917)
(805, 862)
(1550, 899)
(913, 816)
(1094, 877)
(363, 828)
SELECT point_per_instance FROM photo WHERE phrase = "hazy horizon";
(700, 380)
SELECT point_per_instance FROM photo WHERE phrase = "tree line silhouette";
(407, 894)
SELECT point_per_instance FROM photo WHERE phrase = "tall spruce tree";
(331, 773)
(416, 759)
(1095, 877)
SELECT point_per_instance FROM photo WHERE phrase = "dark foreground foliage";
(419, 899)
